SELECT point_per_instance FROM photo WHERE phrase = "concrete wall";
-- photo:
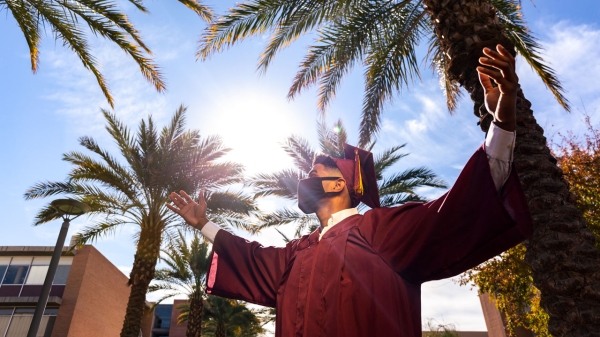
(95, 298)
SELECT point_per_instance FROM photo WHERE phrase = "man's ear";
(339, 185)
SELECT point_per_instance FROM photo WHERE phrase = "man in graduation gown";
(361, 274)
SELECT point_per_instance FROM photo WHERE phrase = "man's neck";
(324, 213)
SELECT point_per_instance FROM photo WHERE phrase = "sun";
(254, 125)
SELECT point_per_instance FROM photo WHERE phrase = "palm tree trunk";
(194, 323)
(144, 263)
(561, 253)
(220, 331)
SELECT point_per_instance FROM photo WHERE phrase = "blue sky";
(44, 114)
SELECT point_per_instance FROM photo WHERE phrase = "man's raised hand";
(501, 100)
(194, 213)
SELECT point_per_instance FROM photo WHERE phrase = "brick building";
(88, 296)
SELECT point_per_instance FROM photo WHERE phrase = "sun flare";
(254, 125)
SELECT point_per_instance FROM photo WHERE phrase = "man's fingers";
(495, 54)
(506, 54)
(485, 81)
(495, 75)
(174, 209)
(186, 196)
(500, 65)
(177, 200)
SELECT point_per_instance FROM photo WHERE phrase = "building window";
(62, 272)
(162, 316)
(15, 322)
(5, 315)
(15, 275)
(37, 275)
(19, 325)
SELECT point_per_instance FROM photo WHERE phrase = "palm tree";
(383, 36)
(133, 190)
(65, 18)
(396, 189)
(225, 317)
(185, 274)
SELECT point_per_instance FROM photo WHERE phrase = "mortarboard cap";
(358, 169)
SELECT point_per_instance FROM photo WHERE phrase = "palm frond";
(438, 62)
(28, 21)
(283, 183)
(400, 199)
(73, 37)
(287, 216)
(202, 10)
(408, 180)
(387, 158)
(46, 214)
(528, 46)
(301, 152)
(286, 239)
(298, 18)
(391, 63)
(245, 20)
(96, 231)
(332, 140)
(139, 5)
(231, 202)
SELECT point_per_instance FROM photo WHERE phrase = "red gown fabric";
(363, 278)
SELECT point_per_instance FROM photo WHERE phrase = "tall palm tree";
(383, 36)
(66, 18)
(133, 190)
(396, 189)
(227, 318)
(185, 274)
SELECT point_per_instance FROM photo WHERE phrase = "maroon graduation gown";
(363, 278)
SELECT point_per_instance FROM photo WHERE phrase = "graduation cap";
(358, 169)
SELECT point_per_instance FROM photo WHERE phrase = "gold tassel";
(358, 184)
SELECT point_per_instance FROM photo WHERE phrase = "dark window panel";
(51, 311)
(24, 311)
(62, 272)
(2, 271)
(15, 275)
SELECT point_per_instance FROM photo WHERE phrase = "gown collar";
(337, 218)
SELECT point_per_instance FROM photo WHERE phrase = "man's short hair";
(326, 161)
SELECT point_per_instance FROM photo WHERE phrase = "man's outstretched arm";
(501, 102)
(239, 269)
(482, 215)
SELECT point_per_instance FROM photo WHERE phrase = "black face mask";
(311, 191)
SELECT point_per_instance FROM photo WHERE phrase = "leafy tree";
(508, 279)
(133, 190)
(579, 160)
(382, 36)
(185, 274)
(66, 19)
(396, 189)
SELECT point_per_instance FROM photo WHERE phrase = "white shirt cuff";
(499, 143)
(210, 231)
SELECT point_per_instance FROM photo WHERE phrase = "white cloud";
(572, 51)
(449, 303)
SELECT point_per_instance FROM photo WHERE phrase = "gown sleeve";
(244, 270)
(468, 225)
